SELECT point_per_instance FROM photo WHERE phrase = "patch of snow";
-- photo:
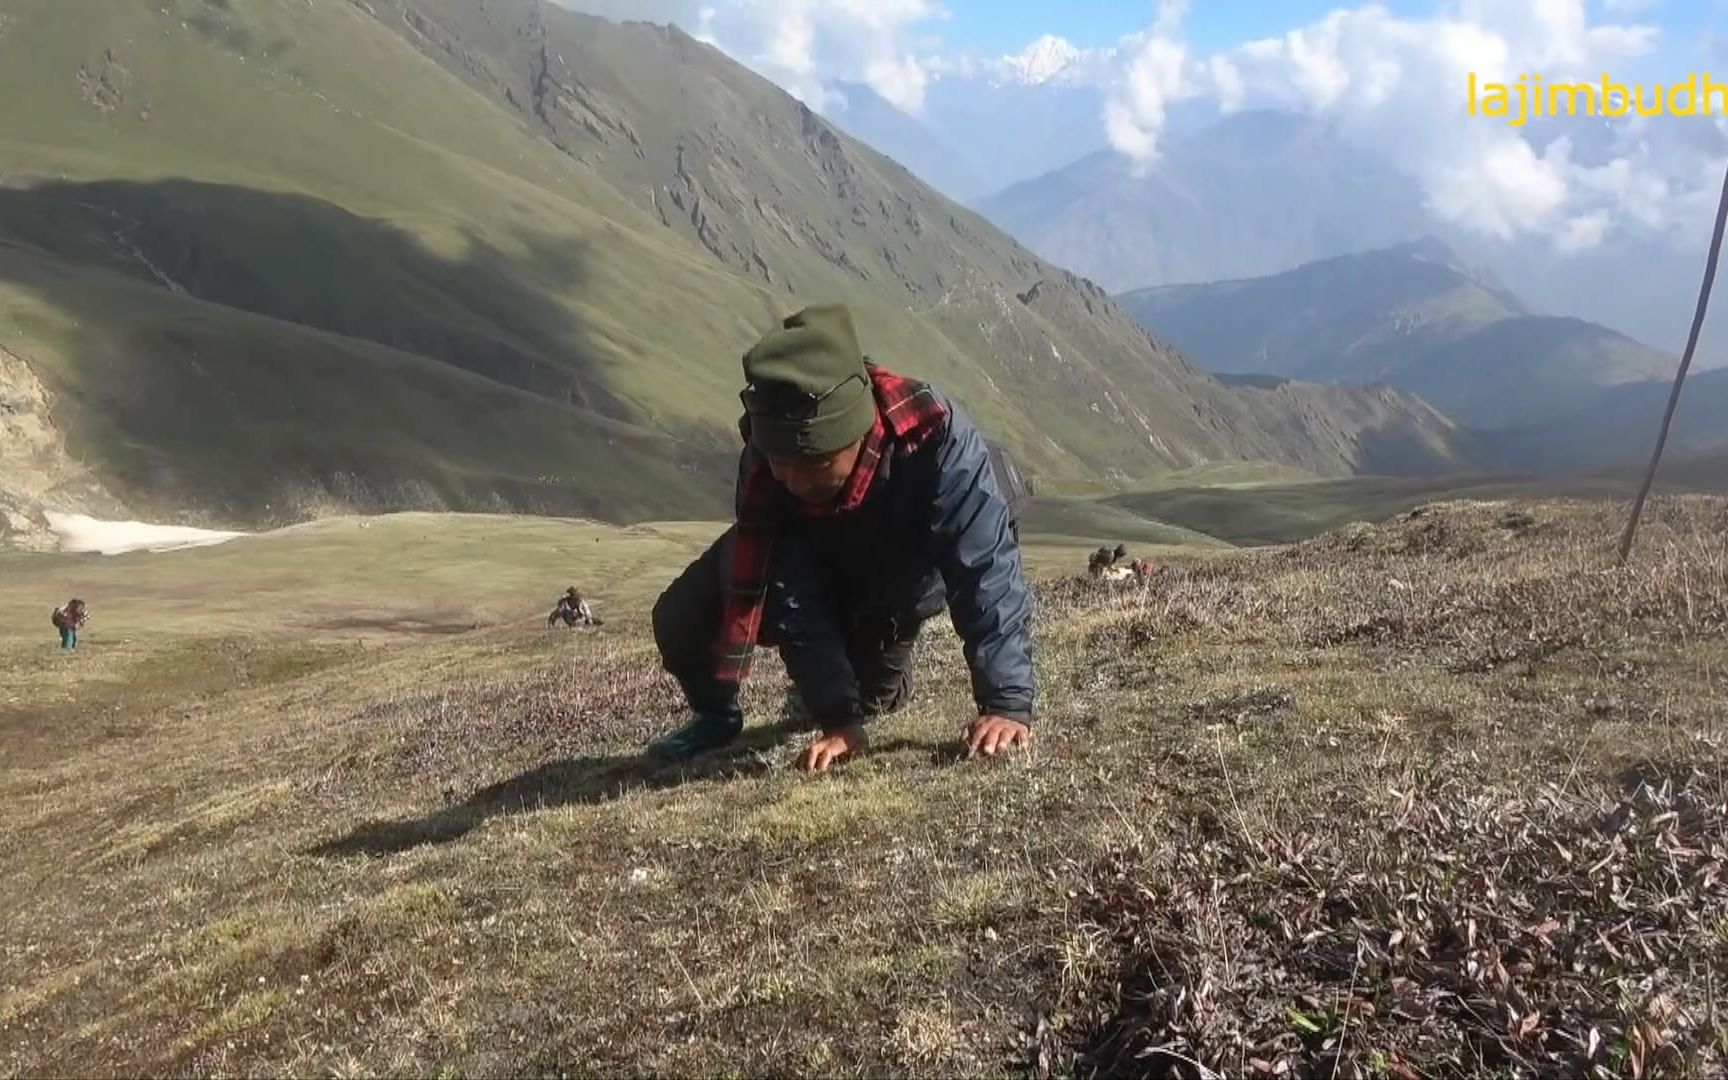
(81, 534)
(1045, 60)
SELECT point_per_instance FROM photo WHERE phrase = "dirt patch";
(104, 82)
(1242, 706)
(394, 625)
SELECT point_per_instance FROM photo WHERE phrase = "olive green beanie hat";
(807, 391)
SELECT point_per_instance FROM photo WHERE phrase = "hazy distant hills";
(1412, 316)
(1544, 392)
(1256, 193)
(1262, 192)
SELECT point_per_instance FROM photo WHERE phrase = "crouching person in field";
(866, 503)
(69, 618)
(572, 609)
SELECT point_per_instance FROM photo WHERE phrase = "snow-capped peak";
(1044, 60)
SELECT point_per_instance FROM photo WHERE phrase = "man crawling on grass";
(866, 502)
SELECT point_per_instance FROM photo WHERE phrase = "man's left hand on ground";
(830, 748)
(990, 734)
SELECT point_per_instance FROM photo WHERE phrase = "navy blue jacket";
(935, 531)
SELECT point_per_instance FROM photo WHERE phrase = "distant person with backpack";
(69, 618)
(866, 503)
(573, 610)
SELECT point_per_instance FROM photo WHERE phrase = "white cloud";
(1394, 83)
(1503, 188)
(1153, 81)
(1583, 232)
(1156, 72)
(1399, 84)
(804, 45)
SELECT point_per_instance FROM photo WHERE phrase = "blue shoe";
(704, 732)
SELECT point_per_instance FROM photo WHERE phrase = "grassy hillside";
(1619, 426)
(199, 411)
(1411, 316)
(1278, 513)
(768, 188)
(1517, 371)
(267, 255)
(1355, 318)
(1086, 524)
(281, 817)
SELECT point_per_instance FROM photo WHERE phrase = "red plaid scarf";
(907, 415)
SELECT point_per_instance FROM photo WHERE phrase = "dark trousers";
(876, 647)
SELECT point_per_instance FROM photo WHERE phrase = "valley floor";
(1438, 797)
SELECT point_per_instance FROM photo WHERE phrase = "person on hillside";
(69, 618)
(573, 610)
(866, 502)
(1105, 559)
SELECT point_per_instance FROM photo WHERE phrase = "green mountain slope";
(1412, 316)
(1354, 317)
(1285, 511)
(269, 256)
(1619, 427)
(1511, 372)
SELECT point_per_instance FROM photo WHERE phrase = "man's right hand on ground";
(989, 734)
(831, 747)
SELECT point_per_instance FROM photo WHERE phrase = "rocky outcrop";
(36, 472)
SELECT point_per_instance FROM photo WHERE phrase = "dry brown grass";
(1428, 929)
(1512, 866)
(449, 857)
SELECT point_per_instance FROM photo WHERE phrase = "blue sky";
(1006, 26)
(1692, 31)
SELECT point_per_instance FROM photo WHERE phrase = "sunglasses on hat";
(785, 402)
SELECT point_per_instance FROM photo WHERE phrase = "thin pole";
(1680, 375)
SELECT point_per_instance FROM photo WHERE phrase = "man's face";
(815, 480)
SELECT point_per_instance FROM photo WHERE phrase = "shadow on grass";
(571, 781)
(258, 353)
(592, 780)
(404, 624)
(951, 752)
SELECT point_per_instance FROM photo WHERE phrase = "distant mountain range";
(1544, 393)
(1414, 316)
(1255, 193)
(1258, 193)
(975, 135)
(261, 261)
